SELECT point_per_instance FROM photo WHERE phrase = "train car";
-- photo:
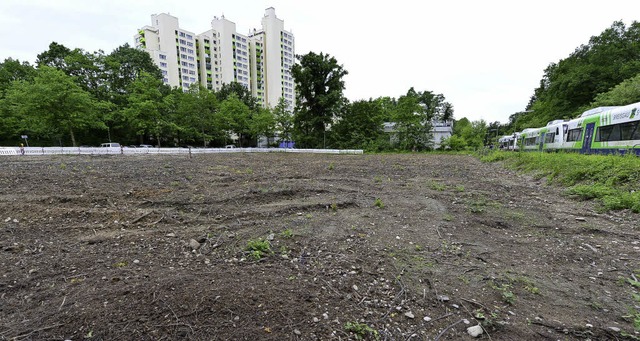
(531, 139)
(613, 131)
(573, 137)
(554, 136)
(603, 130)
(509, 142)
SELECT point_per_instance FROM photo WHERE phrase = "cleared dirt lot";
(305, 247)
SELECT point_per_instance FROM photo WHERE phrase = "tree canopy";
(319, 97)
(71, 96)
(571, 85)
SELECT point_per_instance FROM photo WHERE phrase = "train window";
(549, 138)
(627, 130)
(608, 133)
(636, 133)
(530, 141)
(574, 135)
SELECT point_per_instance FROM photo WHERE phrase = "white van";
(110, 145)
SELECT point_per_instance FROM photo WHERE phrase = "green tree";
(474, 134)
(54, 57)
(240, 91)
(122, 67)
(53, 105)
(145, 111)
(319, 97)
(468, 135)
(283, 120)
(624, 93)
(361, 125)
(412, 120)
(454, 142)
(12, 70)
(86, 68)
(196, 114)
(263, 123)
(234, 117)
(570, 85)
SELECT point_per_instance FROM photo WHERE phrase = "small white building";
(440, 131)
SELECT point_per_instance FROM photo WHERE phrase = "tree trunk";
(73, 137)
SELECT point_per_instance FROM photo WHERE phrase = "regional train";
(602, 130)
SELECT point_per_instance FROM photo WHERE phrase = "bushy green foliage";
(571, 84)
(614, 180)
(454, 142)
(258, 248)
(622, 94)
(467, 135)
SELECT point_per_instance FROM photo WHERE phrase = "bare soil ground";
(388, 247)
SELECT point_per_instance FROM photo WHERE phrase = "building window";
(163, 57)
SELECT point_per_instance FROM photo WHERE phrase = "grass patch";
(361, 331)
(436, 186)
(612, 180)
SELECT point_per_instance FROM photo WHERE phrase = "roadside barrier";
(161, 151)
(9, 151)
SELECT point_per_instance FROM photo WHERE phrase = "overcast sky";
(486, 57)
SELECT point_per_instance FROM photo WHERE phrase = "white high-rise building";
(171, 48)
(260, 61)
(278, 48)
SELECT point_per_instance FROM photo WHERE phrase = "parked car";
(110, 145)
(146, 146)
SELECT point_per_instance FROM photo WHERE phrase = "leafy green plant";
(288, 233)
(361, 330)
(505, 291)
(378, 203)
(436, 186)
(258, 248)
(331, 166)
